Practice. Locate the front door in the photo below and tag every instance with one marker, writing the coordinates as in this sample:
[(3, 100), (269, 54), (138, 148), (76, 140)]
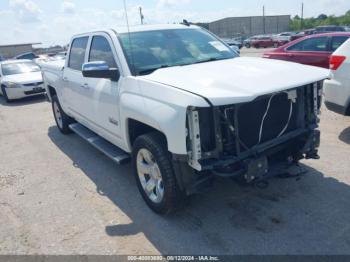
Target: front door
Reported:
[(103, 94)]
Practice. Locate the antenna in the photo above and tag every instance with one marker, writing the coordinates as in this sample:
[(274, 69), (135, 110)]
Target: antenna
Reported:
[(141, 15), (131, 49)]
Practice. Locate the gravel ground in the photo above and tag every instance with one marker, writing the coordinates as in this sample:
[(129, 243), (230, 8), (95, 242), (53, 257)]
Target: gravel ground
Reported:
[(58, 195)]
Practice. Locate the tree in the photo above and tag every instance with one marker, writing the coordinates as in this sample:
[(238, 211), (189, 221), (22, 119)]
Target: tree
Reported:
[(322, 17)]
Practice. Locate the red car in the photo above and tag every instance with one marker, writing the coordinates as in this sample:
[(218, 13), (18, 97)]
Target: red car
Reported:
[(312, 50), (266, 41)]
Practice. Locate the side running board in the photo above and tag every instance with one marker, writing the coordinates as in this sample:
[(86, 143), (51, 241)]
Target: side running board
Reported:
[(115, 153)]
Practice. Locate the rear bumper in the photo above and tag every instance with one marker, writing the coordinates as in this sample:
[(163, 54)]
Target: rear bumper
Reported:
[(21, 92)]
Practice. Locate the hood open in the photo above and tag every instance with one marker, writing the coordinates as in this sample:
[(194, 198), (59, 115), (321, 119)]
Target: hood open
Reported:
[(238, 80)]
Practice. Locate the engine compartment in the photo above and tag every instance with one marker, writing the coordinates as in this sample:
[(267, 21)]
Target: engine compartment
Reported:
[(272, 129)]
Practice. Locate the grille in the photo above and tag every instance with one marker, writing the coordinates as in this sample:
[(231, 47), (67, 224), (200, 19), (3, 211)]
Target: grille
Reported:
[(34, 84)]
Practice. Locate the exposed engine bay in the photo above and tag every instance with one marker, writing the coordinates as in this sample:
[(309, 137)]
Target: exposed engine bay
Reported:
[(256, 138)]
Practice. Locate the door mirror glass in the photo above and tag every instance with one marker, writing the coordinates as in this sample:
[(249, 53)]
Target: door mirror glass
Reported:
[(100, 69)]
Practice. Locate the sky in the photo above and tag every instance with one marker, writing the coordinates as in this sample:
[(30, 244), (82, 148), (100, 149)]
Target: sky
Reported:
[(53, 22)]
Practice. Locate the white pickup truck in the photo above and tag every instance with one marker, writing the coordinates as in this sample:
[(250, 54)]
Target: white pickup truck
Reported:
[(177, 101)]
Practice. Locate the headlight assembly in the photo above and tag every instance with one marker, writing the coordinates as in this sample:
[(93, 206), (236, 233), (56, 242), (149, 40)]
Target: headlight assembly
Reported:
[(11, 85)]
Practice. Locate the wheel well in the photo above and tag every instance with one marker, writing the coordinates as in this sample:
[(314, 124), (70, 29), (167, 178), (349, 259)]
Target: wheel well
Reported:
[(52, 91), (137, 128), (347, 111)]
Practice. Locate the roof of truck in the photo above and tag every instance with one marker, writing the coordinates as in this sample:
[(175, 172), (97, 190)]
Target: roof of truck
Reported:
[(142, 28)]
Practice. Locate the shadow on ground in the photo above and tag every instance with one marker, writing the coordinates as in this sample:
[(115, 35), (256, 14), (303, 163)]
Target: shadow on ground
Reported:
[(345, 135), (309, 216), (23, 101)]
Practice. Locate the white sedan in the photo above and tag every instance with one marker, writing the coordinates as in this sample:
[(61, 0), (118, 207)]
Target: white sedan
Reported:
[(20, 78), (337, 89)]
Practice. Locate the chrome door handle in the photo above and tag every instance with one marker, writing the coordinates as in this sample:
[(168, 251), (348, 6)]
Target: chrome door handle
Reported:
[(85, 86)]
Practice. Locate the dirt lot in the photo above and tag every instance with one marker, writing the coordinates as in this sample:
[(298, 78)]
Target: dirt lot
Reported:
[(58, 195)]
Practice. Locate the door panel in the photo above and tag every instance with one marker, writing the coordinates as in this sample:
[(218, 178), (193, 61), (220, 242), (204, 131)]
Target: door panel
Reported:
[(103, 94), (72, 77)]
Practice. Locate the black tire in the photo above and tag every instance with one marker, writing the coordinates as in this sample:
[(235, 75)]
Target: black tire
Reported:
[(65, 120), (173, 197), (4, 94), (247, 45), (275, 45)]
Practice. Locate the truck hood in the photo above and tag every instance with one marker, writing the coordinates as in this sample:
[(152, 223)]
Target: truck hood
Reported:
[(238, 80), (26, 78)]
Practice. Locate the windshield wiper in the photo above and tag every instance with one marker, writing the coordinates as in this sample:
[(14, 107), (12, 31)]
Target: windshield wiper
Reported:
[(151, 70)]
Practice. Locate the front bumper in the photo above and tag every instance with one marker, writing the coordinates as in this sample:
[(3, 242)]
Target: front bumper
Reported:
[(24, 91)]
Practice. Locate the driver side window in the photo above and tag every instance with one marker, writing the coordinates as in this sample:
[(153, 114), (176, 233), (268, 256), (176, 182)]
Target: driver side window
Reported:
[(101, 51)]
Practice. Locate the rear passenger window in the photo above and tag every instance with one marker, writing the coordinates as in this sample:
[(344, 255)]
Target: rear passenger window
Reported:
[(101, 51), (316, 44), (77, 53), (337, 41)]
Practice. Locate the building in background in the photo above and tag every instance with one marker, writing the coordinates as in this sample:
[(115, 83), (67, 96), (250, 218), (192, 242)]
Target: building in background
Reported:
[(10, 51), (232, 27)]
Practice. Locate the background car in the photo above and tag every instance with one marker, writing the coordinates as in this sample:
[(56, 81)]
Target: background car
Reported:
[(312, 50), (29, 55), (328, 29), (20, 78), (302, 34), (266, 41), (233, 42), (337, 89), (248, 42)]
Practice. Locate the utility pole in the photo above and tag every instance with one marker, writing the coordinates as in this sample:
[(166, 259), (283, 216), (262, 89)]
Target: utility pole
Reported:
[(302, 16), (264, 19), (141, 15)]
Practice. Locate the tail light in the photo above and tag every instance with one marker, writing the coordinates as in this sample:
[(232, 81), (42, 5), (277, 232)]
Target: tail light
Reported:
[(335, 61)]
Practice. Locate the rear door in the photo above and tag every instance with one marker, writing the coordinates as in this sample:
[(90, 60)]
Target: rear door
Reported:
[(311, 51), (73, 90)]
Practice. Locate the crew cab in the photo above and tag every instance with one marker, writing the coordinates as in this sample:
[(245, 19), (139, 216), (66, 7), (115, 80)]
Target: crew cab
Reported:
[(179, 103)]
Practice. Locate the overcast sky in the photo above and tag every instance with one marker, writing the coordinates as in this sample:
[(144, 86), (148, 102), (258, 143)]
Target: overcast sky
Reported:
[(54, 21)]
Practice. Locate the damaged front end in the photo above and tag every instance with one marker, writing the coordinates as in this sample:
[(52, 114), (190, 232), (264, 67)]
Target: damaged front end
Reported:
[(257, 139)]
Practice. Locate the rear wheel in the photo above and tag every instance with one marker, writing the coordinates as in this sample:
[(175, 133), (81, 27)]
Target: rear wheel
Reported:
[(62, 119), (4, 94), (154, 174)]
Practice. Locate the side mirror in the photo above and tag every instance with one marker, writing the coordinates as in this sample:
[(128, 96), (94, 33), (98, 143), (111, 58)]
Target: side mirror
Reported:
[(100, 69)]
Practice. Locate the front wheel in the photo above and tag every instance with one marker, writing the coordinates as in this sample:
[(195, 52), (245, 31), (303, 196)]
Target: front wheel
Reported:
[(4, 94), (62, 119), (154, 174)]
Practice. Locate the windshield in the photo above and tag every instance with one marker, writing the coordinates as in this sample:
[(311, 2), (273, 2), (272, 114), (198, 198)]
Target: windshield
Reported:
[(19, 68), (151, 50)]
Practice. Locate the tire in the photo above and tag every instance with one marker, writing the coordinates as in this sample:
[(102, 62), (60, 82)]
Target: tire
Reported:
[(61, 118), (163, 195), (275, 45), (4, 94), (247, 45)]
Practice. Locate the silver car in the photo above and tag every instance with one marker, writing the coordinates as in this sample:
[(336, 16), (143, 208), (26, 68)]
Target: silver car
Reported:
[(20, 78)]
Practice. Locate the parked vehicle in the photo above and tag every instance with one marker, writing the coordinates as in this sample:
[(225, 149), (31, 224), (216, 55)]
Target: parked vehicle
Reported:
[(266, 41), (284, 37), (313, 50), (328, 29), (20, 78), (337, 89), (233, 42), (184, 108), (248, 42), (302, 34), (27, 56)]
